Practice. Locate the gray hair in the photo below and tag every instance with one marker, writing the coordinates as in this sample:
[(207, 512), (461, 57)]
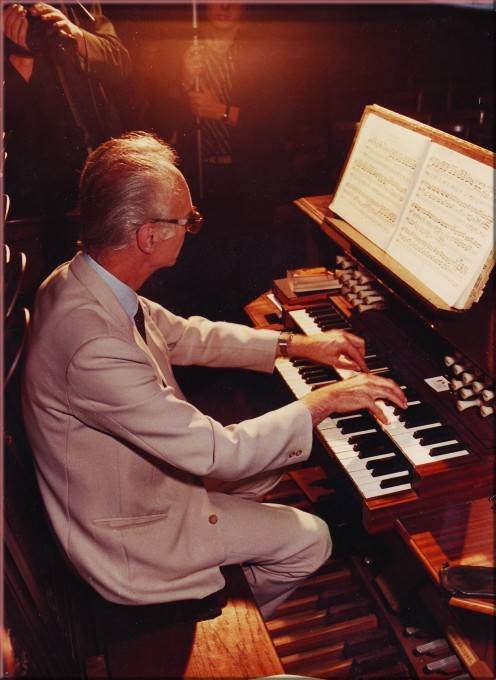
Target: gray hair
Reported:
[(123, 183)]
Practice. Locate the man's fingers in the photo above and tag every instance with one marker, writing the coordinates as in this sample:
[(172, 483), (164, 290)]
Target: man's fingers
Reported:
[(355, 355), (358, 342), (377, 412), (388, 389), (345, 362), (15, 24)]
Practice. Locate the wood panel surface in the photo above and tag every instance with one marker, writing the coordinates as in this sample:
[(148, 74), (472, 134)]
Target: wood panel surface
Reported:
[(233, 645), (459, 535)]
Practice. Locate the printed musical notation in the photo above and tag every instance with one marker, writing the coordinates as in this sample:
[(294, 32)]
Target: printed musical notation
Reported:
[(378, 177), (426, 205), (447, 227)]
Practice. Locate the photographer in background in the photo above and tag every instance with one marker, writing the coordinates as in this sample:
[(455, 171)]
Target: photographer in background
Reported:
[(61, 66)]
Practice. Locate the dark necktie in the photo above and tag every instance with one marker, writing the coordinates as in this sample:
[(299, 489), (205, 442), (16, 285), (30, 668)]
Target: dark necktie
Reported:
[(139, 320)]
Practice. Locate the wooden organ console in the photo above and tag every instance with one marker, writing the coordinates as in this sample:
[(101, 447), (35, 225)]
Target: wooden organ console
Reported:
[(422, 485)]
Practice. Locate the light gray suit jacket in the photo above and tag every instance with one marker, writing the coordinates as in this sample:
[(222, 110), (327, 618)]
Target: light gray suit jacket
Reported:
[(120, 454)]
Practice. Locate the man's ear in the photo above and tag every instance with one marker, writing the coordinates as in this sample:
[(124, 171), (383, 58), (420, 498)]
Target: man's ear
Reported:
[(146, 237)]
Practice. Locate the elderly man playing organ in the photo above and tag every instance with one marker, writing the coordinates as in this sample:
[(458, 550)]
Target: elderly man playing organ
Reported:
[(148, 496)]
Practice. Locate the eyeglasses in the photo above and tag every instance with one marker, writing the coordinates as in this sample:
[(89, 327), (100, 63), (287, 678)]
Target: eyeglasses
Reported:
[(193, 223)]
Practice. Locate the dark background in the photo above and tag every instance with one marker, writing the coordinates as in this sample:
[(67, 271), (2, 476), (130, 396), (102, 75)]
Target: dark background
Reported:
[(432, 62)]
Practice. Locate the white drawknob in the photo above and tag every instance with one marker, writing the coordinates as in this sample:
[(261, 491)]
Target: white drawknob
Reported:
[(466, 392), (463, 405), (449, 361), (487, 395), (455, 384), (370, 299), (365, 307), (486, 410), (457, 369), (360, 286), (467, 377), (366, 292), (477, 386), (348, 277)]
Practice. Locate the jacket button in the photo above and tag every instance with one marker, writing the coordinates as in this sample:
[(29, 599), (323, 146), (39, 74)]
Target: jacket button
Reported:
[(213, 519)]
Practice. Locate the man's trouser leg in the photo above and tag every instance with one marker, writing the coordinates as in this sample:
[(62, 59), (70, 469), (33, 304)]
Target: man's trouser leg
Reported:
[(278, 546)]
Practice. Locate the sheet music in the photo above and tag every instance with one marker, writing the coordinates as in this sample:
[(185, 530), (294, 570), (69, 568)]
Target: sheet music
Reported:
[(378, 176), (447, 229)]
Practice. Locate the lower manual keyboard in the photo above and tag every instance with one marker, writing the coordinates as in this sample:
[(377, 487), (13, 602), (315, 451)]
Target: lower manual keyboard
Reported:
[(379, 458)]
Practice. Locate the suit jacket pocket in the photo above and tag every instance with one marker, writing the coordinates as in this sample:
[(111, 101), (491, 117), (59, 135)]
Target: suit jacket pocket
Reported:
[(130, 522)]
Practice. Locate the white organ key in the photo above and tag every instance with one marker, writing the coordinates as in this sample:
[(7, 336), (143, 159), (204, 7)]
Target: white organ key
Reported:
[(305, 322)]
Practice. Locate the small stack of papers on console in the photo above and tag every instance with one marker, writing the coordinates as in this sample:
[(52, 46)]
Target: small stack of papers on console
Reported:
[(311, 279)]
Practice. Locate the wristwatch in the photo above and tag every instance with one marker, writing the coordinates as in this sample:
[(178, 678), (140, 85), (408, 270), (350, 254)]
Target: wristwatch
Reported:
[(283, 343)]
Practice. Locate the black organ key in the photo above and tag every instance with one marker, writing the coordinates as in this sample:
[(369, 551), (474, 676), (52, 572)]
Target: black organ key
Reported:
[(368, 440), (410, 395), (377, 451), (388, 373), (314, 370), (395, 481), (327, 316), (387, 466), (330, 326), (302, 362), (435, 435), (322, 311), (376, 362), (357, 425), (419, 414), (449, 448), (313, 379)]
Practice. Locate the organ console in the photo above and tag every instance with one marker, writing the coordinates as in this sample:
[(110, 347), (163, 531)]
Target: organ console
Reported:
[(425, 476)]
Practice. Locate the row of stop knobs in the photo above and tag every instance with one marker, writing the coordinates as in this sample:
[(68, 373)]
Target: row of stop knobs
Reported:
[(472, 388), (359, 288)]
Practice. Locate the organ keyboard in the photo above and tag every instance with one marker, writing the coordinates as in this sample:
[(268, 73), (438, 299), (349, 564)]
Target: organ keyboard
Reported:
[(377, 457), (427, 474), (442, 446)]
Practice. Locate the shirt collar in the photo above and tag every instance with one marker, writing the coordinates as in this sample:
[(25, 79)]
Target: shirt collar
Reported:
[(126, 295)]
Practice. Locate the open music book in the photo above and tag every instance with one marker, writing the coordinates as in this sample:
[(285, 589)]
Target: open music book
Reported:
[(425, 199)]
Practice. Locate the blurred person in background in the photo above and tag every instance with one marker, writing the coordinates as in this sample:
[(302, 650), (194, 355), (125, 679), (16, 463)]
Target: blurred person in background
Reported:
[(232, 85), (61, 65)]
